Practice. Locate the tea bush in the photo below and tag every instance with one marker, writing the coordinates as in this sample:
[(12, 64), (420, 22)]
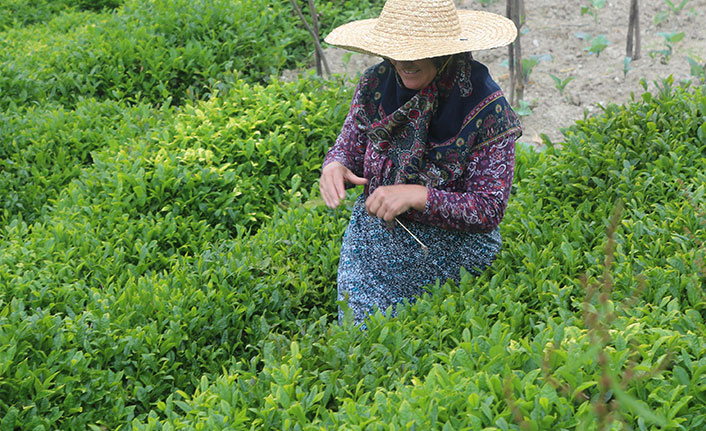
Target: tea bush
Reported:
[(46, 147), (20, 13), (646, 157), (242, 141), (266, 140), (156, 51), (165, 209), (89, 336), (446, 364), (116, 313)]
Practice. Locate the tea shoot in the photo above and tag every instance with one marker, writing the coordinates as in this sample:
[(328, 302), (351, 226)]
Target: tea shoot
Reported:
[(670, 38)]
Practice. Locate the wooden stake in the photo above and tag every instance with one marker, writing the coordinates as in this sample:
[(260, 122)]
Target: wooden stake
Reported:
[(514, 10), (633, 51)]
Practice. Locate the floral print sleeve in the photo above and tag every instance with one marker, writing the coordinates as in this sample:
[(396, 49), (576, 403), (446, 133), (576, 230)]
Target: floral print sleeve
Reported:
[(485, 186), (349, 148), (465, 156)]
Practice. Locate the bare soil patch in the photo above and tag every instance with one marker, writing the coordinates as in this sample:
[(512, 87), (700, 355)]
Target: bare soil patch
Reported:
[(552, 27)]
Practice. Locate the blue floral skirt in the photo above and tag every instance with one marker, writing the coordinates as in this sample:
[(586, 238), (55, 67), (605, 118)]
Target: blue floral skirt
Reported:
[(381, 264)]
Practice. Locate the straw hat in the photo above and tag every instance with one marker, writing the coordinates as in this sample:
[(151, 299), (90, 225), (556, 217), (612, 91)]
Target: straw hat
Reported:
[(416, 29)]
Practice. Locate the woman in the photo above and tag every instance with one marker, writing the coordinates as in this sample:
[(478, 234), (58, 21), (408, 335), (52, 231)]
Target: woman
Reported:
[(431, 137)]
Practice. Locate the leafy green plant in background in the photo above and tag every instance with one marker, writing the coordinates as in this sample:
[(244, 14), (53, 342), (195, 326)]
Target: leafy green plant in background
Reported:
[(697, 70), (661, 17), (626, 66), (598, 44), (529, 63), (524, 108), (561, 84), (676, 8), (593, 9), (670, 38)]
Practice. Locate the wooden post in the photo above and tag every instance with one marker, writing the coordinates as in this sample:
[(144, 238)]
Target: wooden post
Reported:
[(514, 10), (632, 49)]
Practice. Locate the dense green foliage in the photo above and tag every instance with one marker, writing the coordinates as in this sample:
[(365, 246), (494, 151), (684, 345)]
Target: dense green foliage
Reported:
[(50, 145), (519, 346), (243, 143), (19, 13), (159, 208), (168, 266), (120, 303), (155, 51)]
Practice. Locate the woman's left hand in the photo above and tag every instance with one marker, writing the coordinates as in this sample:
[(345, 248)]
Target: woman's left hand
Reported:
[(387, 202)]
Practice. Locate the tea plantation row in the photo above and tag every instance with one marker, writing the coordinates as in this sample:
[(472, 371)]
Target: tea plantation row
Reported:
[(65, 82), (152, 213), (161, 51), (20, 13)]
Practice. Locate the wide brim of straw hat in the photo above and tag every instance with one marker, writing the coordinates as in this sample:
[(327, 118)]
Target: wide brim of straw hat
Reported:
[(408, 36)]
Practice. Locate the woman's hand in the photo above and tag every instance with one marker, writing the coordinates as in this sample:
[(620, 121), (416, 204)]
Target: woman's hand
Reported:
[(332, 183), (387, 202)]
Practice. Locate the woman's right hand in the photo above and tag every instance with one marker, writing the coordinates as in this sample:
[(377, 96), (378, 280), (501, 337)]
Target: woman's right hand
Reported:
[(332, 183)]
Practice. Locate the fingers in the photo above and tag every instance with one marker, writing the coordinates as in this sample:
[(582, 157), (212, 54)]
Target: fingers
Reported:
[(354, 179), (385, 204), (332, 183), (388, 202), (331, 187)]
